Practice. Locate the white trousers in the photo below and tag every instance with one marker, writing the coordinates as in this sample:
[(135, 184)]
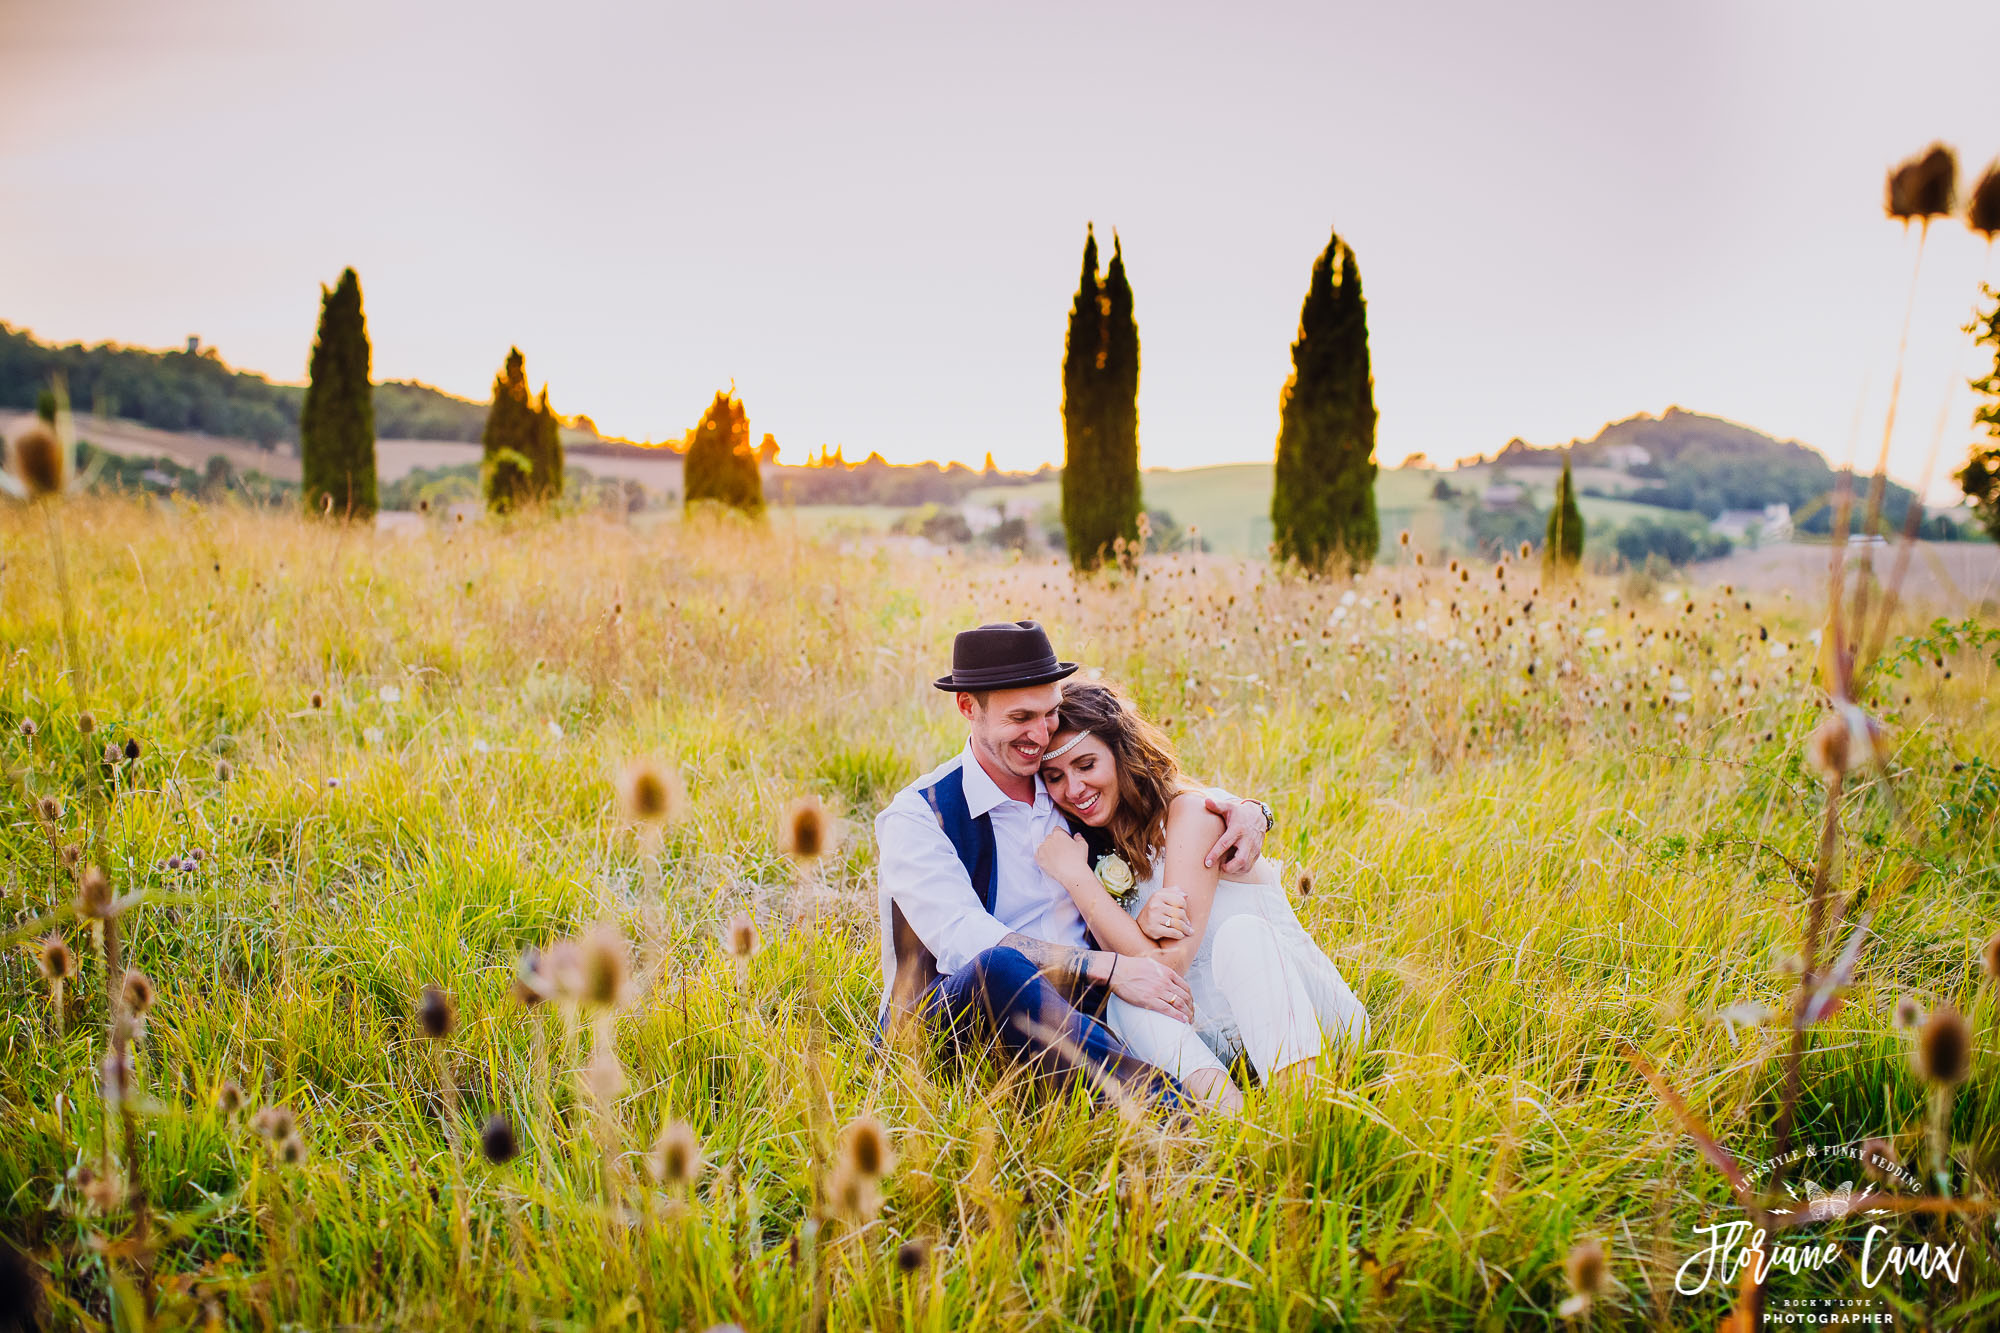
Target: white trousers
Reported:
[(1282, 1010)]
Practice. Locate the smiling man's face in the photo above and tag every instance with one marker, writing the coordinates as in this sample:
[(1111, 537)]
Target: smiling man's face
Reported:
[(1012, 728)]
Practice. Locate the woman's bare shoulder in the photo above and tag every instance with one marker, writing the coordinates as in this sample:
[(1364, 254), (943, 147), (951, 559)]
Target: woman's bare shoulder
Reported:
[(1190, 810)]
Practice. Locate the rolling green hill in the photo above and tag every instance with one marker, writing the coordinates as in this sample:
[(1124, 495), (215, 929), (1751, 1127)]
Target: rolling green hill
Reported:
[(194, 390), (1703, 465)]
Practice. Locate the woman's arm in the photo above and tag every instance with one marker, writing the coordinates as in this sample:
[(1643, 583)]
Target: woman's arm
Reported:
[(1191, 831)]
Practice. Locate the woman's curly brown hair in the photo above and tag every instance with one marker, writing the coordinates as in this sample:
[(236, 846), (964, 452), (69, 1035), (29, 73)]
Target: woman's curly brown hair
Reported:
[(1149, 774)]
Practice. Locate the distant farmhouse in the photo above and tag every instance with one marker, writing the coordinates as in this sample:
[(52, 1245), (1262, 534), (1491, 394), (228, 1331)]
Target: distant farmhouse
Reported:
[(1772, 523)]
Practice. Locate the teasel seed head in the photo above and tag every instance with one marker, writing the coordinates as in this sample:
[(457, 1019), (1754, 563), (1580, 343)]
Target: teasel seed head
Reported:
[(1403, 538), (912, 1255), (29, 727), (223, 771), (1875, 1152), (50, 809), (86, 722), (1827, 748), (291, 1150), (864, 1148), (650, 793), (497, 1140), (131, 747), (434, 1012), (603, 1075), (103, 1193), (55, 958), (274, 1122), (805, 829), (1585, 1267), (112, 755), (739, 936), (93, 895), (117, 1070), (138, 993), (37, 457), (1909, 1015), (676, 1156), (72, 853), (1924, 187), (318, 700), (1983, 213), (229, 1097), (1525, 550), (1305, 883), (853, 1195), (531, 985), (1989, 958), (605, 966), (1944, 1047)]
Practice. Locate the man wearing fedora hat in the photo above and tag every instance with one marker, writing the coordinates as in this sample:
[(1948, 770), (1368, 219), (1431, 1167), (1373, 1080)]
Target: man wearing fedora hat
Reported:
[(977, 941)]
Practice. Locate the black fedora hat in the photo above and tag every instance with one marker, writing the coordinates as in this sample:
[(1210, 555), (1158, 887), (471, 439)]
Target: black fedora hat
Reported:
[(1003, 657)]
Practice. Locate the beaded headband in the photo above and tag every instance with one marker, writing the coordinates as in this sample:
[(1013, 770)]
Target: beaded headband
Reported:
[(1066, 746)]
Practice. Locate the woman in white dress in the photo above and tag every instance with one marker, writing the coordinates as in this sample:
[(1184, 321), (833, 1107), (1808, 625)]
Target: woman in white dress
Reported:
[(1262, 987)]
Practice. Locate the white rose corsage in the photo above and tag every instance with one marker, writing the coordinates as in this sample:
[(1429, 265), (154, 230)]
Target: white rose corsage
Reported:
[(1116, 876)]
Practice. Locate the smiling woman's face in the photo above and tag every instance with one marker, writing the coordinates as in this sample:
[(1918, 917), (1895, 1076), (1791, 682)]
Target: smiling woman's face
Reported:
[(1083, 781)]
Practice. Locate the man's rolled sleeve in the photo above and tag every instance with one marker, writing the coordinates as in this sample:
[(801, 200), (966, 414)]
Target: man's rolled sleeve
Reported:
[(924, 877)]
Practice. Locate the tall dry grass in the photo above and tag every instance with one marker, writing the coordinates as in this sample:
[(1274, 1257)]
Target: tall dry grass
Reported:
[(1540, 826)]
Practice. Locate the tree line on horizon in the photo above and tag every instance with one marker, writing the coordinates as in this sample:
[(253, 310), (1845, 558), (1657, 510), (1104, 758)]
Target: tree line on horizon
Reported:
[(195, 390), (1322, 504)]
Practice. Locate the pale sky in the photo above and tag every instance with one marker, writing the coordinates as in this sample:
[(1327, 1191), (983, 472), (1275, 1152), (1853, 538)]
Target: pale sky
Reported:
[(870, 216)]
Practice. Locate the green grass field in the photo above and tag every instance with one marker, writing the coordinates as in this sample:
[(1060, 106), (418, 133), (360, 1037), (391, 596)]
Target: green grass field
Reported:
[(1231, 504), (1540, 825)]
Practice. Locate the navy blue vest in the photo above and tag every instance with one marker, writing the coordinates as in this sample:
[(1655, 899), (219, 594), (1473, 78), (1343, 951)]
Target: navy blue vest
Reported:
[(971, 838)]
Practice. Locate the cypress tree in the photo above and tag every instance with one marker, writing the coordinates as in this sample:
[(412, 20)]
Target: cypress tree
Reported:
[(1083, 353), (1562, 550), (1100, 479), (548, 476), (1323, 487), (511, 440), (721, 467), (337, 419), (1118, 503)]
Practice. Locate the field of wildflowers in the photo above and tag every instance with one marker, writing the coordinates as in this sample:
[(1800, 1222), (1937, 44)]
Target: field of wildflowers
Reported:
[(476, 926)]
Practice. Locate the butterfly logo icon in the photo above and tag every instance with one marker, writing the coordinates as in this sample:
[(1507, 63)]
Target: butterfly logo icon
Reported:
[(1823, 1205)]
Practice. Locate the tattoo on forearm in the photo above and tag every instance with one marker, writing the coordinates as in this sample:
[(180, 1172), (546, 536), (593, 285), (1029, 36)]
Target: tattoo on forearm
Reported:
[(1066, 967)]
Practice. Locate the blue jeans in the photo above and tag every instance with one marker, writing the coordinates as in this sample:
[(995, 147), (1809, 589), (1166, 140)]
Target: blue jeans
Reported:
[(1000, 1000)]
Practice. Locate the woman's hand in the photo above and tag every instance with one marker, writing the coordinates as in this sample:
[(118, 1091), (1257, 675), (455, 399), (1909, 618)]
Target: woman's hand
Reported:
[(1064, 855), (1165, 916)]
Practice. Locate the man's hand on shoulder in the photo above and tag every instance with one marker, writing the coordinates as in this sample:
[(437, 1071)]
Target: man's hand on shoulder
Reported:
[(1244, 825)]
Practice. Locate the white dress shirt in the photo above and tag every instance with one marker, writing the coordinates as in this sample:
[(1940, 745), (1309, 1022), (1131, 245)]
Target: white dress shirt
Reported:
[(920, 873)]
